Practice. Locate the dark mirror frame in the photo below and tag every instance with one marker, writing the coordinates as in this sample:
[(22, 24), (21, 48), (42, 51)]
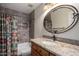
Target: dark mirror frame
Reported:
[(48, 25)]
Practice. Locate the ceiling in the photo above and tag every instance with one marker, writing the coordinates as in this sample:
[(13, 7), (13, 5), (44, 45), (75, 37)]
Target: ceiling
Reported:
[(21, 7)]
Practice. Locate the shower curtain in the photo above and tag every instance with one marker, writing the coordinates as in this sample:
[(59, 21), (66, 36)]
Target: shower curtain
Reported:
[(8, 35)]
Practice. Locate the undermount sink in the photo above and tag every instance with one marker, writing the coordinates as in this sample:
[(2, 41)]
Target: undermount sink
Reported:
[(48, 43)]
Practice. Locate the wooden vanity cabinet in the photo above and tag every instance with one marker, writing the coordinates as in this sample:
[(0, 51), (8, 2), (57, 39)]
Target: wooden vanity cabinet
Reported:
[(39, 51)]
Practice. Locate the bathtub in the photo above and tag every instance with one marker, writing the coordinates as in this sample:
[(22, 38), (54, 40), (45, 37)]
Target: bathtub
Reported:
[(24, 49)]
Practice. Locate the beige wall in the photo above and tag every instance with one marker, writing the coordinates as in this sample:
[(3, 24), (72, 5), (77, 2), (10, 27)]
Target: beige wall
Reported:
[(40, 13), (39, 29)]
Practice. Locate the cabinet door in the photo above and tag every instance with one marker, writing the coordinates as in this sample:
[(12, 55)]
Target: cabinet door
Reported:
[(42, 52), (34, 50), (38, 50)]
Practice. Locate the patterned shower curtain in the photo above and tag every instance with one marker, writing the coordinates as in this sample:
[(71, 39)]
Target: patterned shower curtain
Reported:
[(8, 37)]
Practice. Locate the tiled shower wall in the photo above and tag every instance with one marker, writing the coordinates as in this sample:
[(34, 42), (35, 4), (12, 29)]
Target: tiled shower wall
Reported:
[(31, 25), (22, 23), (23, 29)]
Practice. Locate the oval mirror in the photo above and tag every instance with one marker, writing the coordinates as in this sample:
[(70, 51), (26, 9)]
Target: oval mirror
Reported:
[(60, 19)]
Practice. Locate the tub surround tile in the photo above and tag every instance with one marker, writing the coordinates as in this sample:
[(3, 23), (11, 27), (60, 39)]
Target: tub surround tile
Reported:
[(31, 25)]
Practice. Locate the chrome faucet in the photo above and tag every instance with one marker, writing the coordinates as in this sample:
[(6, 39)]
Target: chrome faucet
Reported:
[(54, 37)]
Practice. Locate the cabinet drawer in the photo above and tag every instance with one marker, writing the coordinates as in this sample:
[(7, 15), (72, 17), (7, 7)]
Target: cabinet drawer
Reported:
[(34, 46)]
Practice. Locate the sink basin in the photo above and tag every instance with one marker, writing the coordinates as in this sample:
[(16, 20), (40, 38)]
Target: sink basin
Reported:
[(48, 43)]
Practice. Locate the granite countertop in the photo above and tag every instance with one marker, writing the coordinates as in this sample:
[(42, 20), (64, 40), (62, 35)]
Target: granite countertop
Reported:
[(57, 47)]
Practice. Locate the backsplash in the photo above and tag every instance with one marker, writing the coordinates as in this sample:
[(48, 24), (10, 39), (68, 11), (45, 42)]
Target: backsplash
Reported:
[(22, 23), (65, 40)]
